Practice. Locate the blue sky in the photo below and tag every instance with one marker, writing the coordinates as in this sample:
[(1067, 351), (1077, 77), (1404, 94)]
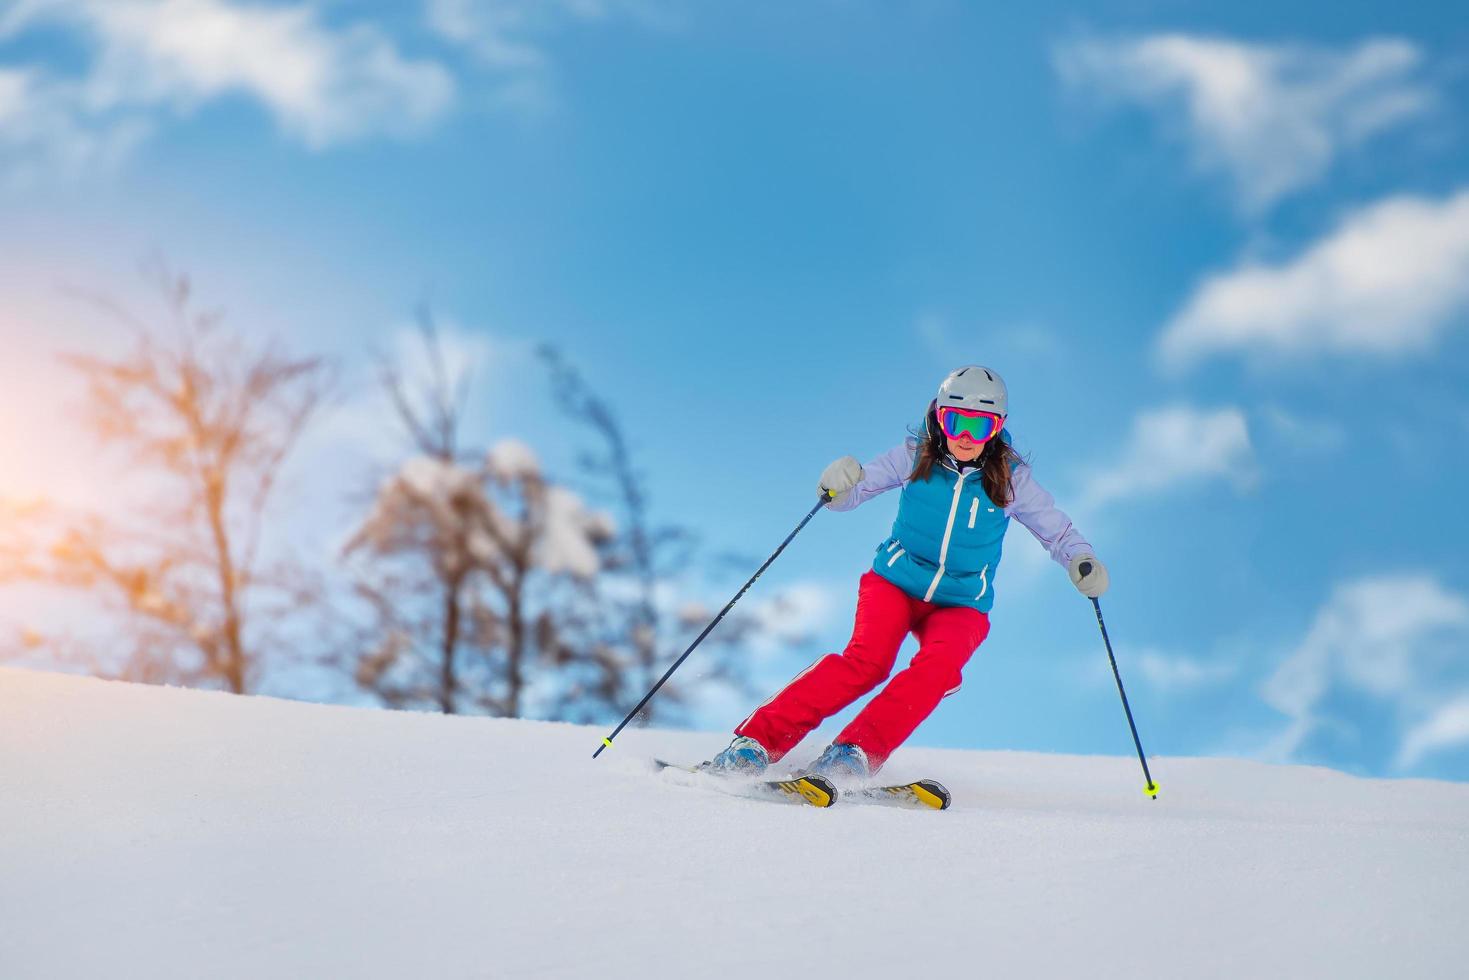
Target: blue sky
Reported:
[(1219, 254)]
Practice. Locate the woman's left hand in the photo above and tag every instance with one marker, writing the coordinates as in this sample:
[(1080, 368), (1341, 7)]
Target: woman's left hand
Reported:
[(1089, 576)]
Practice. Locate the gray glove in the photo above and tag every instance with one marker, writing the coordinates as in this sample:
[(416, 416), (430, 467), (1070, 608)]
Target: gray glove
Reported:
[(1092, 581), (840, 477)]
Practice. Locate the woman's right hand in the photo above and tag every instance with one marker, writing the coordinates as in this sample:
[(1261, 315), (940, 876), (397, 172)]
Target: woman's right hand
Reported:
[(839, 478)]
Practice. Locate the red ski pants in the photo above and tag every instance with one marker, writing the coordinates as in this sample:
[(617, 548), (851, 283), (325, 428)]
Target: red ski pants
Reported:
[(947, 637)]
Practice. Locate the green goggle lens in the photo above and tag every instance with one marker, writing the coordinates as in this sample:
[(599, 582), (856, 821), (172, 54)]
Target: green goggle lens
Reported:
[(979, 426)]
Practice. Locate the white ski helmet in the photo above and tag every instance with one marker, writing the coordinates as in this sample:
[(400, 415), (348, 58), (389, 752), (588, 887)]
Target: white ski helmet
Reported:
[(974, 387)]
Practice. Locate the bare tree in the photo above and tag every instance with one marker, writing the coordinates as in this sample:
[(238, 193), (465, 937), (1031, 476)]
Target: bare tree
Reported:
[(209, 421), (20, 523), (642, 558), (431, 412)]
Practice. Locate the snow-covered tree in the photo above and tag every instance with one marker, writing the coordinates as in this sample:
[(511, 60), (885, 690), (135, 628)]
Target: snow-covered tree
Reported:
[(473, 569), (494, 587), (476, 566)]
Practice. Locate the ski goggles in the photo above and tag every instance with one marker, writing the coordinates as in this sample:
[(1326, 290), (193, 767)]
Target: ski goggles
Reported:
[(977, 425)]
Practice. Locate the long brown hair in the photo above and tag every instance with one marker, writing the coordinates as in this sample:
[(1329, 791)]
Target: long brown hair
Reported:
[(996, 461)]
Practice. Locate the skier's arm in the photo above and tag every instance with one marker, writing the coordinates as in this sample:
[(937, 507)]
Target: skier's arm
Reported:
[(1034, 507), (887, 472)]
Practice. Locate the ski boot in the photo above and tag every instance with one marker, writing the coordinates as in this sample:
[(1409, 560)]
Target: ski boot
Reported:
[(842, 762), (744, 757)]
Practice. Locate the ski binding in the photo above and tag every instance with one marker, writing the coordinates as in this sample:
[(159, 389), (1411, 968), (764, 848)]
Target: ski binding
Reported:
[(806, 788)]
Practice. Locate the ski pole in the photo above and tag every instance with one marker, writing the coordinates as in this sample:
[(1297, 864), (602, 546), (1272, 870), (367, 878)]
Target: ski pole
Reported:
[(1152, 788), (607, 742)]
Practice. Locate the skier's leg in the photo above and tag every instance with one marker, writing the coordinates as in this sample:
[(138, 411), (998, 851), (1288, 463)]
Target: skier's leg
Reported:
[(947, 637), (884, 614)]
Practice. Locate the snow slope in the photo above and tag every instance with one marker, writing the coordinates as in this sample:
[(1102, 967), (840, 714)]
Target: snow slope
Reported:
[(168, 833)]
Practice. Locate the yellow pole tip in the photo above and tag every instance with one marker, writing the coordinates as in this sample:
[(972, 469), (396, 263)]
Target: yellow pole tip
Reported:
[(607, 742), (1152, 790)]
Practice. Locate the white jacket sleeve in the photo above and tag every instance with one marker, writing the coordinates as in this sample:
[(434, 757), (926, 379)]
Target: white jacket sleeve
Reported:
[(887, 472), (1034, 507)]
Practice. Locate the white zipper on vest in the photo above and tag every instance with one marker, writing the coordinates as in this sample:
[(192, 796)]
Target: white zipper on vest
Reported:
[(973, 512), (984, 584), (948, 531), (896, 556)]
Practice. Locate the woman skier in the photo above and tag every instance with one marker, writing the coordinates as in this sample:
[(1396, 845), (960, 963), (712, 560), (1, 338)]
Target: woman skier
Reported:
[(934, 576)]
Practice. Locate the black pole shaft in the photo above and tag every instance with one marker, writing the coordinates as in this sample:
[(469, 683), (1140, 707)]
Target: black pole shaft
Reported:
[(606, 742), (1151, 788)]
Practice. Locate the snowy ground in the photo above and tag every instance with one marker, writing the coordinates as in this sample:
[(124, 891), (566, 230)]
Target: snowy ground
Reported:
[(167, 833)]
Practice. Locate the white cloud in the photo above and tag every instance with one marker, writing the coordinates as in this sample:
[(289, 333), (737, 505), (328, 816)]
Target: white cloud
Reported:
[(1393, 638), (1387, 281), (1446, 728), (1176, 446), (1270, 117), (1302, 433), (507, 36), (1176, 674), (323, 85), (933, 331), (494, 29), (13, 93), (790, 616), (1018, 341), (45, 129)]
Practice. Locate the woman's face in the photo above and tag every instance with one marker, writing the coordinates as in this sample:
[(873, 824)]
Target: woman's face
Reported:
[(965, 449)]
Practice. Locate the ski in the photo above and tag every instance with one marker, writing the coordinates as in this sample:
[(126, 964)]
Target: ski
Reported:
[(808, 789), (921, 794)]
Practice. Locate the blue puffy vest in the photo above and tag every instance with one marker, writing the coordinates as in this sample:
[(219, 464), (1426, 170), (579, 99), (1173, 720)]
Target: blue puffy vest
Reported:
[(947, 539)]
